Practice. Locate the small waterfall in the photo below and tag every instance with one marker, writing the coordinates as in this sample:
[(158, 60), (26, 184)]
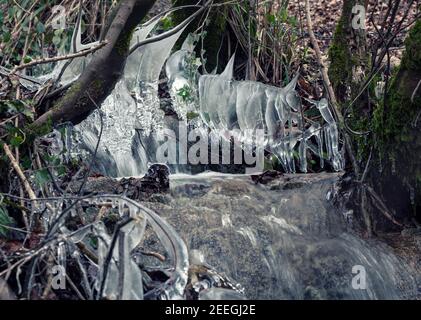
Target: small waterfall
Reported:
[(283, 240), (131, 113)]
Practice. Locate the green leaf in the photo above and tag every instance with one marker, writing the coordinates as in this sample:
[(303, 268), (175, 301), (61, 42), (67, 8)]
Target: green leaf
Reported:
[(56, 40), (40, 27), (271, 18), (16, 141), (42, 177), (5, 220), (26, 163), (61, 171), (7, 36)]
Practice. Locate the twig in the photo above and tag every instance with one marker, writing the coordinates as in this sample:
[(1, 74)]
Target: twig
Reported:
[(365, 213), (20, 173), (96, 147), (381, 206), (329, 87), (157, 255), (56, 59), (415, 91)]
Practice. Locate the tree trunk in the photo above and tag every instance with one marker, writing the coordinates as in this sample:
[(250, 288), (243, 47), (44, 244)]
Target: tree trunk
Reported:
[(398, 135), (105, 69), (348, 53)]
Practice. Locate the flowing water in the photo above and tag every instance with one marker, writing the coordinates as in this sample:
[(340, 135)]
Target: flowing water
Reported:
[(284, 240)]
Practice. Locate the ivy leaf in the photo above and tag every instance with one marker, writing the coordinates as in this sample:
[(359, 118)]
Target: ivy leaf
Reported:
[(40, 27), (61, 171), (16, 141), (42, 177), (56, 40), (5, 220), (7, 36)]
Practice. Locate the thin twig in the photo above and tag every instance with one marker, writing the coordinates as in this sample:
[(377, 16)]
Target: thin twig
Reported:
[(56, 59), (381, 206), (329, 87), (20, 173)]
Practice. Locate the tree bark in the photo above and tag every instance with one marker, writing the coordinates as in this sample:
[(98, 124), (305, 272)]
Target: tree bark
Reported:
[(398, 135), (105, 69), (348, 53)]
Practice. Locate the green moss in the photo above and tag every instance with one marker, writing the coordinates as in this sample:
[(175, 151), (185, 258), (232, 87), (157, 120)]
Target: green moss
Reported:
[(397, 139), (412, 58), (33, 131), (123, 44), (340, 70), (74, 90)]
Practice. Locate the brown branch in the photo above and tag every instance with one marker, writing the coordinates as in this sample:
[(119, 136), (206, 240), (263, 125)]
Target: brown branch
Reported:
[(104, 70), (59, 58), (381, 206), (20, 173), (328, 84)]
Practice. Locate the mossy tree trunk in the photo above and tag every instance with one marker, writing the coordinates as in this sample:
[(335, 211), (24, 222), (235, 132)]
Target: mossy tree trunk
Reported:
[(348, 53), (397, 130), (105, 69)]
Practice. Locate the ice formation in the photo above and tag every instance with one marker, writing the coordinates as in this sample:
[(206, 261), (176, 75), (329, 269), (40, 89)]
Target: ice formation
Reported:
[(242, 107), (119, 276), (129, 118)]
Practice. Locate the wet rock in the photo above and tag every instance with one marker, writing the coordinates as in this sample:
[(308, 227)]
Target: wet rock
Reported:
[(266, 176), (191, 190), (156, 181)]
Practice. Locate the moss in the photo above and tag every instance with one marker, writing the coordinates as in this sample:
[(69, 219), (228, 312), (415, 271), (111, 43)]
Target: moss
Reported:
[(347, 54), (340, 70), (412, 58), (397, 139), (74, 90), (33, 131), (123, 44), (96, 86)]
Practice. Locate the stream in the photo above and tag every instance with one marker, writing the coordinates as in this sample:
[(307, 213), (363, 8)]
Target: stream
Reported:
[(283, 240)]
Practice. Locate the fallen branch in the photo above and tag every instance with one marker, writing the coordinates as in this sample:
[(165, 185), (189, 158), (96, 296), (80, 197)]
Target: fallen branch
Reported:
[(381, 206), (20, 173), (103, 71)]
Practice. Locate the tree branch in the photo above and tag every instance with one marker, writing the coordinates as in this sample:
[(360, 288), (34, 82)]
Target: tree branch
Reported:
[(20, 173), (56, 59), (105, 69)]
